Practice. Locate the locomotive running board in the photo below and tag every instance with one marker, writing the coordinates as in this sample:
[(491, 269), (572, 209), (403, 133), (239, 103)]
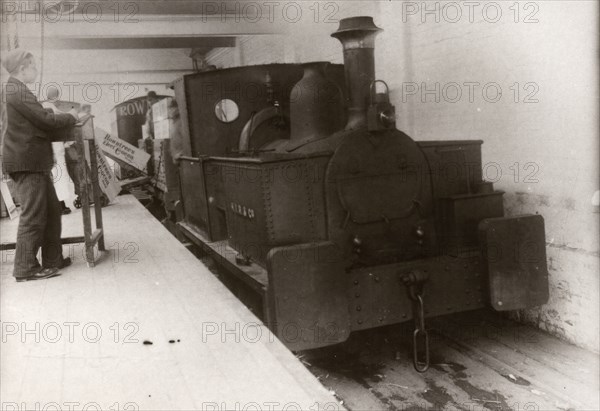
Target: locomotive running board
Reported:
[(514, 249), (252, 275)]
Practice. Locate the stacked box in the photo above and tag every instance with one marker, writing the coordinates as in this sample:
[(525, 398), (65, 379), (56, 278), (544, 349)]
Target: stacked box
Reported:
[(163, 124), (160, 110), (145, 131), (163, 129)]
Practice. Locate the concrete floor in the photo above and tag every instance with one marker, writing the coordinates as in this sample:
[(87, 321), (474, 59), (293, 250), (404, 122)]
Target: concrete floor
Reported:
[(149, 328)]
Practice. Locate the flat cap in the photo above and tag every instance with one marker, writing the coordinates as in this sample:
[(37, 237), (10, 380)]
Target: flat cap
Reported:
[(12, 59)]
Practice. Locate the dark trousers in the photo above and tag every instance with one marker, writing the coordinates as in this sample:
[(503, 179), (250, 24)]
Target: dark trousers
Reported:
[(39, 223)]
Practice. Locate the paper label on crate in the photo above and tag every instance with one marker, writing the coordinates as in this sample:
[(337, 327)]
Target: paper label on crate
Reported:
[(122, 150)]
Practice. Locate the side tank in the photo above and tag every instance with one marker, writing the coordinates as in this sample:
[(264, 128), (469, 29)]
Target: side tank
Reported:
[(233, 112)]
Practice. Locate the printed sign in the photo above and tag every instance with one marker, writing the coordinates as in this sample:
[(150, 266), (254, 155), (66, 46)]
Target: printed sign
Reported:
[(106, 179), (136, 107), (121, 150)]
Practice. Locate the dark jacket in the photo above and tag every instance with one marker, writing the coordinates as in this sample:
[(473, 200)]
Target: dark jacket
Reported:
[(27, 144)]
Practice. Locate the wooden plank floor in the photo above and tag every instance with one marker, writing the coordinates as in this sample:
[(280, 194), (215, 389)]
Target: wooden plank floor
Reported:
[(79, 338), (479, 361)]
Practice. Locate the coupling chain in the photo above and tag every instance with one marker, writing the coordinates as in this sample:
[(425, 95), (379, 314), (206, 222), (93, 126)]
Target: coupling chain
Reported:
[(415, 281)]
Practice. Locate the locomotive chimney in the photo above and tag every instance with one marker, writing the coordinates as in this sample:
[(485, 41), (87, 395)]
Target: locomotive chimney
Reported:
[(357, 35)]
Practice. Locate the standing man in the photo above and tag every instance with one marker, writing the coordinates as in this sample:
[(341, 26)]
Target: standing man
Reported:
[(27, 158)]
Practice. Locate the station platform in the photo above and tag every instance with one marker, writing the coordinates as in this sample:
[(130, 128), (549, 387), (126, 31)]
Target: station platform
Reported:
[(148, 328)]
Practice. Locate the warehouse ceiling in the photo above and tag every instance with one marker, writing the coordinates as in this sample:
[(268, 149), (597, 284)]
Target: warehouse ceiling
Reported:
[(198, 25)]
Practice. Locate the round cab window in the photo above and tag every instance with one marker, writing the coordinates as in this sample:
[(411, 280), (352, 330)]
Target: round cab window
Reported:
[(227, 110)]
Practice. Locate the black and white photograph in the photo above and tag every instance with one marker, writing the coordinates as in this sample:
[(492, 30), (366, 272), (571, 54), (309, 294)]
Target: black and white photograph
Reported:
[(300, 205)]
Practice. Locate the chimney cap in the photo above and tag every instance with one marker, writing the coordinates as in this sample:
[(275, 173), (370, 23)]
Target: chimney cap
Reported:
[(353, 24)]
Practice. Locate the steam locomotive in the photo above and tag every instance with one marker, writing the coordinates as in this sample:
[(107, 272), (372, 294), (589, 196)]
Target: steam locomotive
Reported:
[(296, 180)]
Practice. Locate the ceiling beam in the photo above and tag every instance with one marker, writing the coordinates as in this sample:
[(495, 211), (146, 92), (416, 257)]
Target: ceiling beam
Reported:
[(158, 26), (131, 8), (149, 42)]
